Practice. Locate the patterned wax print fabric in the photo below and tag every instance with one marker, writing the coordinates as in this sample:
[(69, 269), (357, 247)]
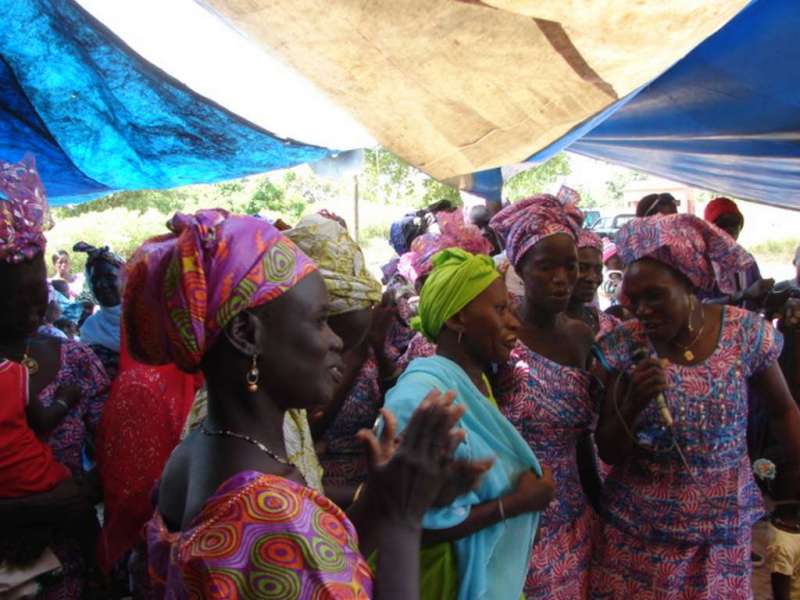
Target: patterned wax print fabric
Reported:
[(626, 566), (552, 407), (418, 347), (697, 523), (606, 323), (586, 238), (340, 261), (344, 459), (524, 224), (492, 562), (79, 367), (182, 288), (702, 252), (451, 231), (24, 215), (259, 536)]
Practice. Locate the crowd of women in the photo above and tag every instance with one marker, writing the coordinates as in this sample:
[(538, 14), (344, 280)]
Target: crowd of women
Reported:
[(250, 414)]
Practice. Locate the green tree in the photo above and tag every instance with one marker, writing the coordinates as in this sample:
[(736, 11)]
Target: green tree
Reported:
[(388, 179), (536, 180)]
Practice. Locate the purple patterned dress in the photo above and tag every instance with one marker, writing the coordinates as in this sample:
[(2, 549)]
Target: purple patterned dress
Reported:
[(667, 534), (80, 367), (344, 460), (551, 406)]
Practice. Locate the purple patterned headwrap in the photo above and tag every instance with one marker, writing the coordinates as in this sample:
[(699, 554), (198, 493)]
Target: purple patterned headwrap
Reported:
[(702, 252), (454, 232), (525, 223), (586, 238), (24, 216), (182, 288)]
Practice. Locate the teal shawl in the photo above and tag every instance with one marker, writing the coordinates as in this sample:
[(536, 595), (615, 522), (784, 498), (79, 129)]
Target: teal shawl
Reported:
[(493, 562)]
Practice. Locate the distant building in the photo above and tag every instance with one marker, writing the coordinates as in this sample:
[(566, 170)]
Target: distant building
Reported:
[(636, 190)]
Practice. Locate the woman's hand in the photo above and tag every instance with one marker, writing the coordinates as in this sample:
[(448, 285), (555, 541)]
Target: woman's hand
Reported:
[(383, 316), (531, 494), (647, 380), (407, 475)]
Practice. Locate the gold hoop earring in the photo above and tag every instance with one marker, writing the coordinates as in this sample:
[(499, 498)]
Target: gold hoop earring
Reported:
[(252, 376)]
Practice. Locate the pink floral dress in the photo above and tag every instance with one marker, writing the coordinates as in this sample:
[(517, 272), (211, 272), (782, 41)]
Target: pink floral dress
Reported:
[(551, 406), (666, 533)]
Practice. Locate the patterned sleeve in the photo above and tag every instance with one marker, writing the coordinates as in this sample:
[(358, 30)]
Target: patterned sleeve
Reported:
[(91, 377), (762, 344), (613, 350)]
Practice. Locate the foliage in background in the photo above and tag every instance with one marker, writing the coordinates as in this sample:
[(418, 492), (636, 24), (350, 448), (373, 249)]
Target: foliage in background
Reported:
[(538, 179), (388, 179)]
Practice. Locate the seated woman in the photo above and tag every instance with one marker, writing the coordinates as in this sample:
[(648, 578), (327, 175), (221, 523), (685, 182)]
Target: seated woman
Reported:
[(464, 310), (231, 296), (354, 293), (680, 500), (66, 384), (101, 330)]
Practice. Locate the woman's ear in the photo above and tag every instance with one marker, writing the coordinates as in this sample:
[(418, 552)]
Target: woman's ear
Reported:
[(244, 332), (457, 323)]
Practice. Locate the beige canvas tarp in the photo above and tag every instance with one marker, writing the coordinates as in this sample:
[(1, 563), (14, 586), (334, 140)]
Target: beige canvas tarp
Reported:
[(461, 86)]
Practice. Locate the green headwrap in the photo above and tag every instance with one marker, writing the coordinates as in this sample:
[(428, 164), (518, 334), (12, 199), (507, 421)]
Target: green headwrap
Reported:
[(457, 278)]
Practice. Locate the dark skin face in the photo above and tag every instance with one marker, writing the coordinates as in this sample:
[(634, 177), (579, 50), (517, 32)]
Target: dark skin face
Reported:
[(658, 297), (730, 224), (105, 283), (25, 304), (590, 275), (352, 327), (615, 264), (488, 325), (297, 346), (549, 271)]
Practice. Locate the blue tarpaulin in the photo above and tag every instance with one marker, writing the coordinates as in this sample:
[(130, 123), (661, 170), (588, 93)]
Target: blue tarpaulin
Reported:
[(726, 118), (99, 118)]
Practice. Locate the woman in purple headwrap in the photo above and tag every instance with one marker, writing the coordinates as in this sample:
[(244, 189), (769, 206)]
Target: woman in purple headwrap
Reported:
[(64, 380), (231, 296), (582, 304), (680, 500), (453, 232), (544, 391)]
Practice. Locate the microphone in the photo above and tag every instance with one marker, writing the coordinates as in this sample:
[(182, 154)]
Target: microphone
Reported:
[(638, 356)]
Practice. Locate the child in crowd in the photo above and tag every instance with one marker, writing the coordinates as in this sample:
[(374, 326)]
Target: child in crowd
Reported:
[(27, 465), (783, 551), (69, 328)]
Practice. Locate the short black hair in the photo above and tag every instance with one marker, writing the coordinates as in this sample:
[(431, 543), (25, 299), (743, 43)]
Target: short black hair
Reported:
[(648, 205)]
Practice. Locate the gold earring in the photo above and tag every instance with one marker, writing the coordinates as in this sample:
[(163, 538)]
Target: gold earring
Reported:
[(252, 376)]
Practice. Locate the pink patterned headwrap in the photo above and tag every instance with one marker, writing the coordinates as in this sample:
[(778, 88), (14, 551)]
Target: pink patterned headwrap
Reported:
[(454, 232), (182, 288), (525, 223), (24, 216), (586, 238), (705, 254)]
